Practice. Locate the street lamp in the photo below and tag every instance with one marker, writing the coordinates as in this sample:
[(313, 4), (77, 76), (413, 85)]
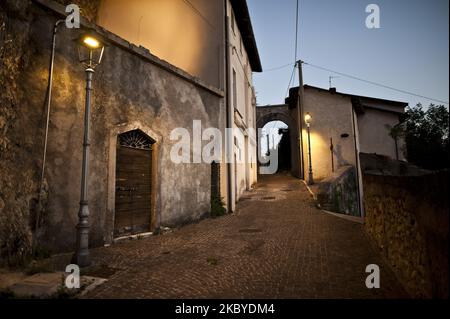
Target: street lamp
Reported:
[(308, 119), (90, 51)]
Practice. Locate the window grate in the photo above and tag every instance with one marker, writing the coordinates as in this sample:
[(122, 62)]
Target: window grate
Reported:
[(135, 139)]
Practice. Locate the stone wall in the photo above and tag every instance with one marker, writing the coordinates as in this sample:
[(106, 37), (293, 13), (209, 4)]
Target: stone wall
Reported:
[(407, 217), (88, 8), (376, 164), (338, 192), (18, 171), (132, 90)]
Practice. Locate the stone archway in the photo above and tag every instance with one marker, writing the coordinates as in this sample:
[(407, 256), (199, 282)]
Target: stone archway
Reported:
[(266, 114)]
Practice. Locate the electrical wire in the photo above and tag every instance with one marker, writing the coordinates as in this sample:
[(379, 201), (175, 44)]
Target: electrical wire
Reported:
[(290, 81), (278, 67), (373, 83)]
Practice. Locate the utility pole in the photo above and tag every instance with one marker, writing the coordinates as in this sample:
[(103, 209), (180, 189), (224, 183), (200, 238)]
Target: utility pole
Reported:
[(300, 118)]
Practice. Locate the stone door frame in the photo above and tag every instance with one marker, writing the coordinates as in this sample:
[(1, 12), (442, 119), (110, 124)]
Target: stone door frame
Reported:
[(111, 197)]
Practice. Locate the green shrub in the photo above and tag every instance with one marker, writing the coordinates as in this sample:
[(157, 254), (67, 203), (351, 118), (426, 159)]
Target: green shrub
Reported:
[(217, 206)]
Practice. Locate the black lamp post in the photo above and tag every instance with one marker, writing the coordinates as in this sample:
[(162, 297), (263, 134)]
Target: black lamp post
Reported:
[(90, 51), (308, 119)]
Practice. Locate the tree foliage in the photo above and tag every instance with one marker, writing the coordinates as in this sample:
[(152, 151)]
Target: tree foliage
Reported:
[(426, 134)]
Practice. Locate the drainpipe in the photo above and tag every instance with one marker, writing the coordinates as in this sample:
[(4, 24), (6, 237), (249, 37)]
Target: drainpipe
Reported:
[(300, 106), (49, 99), (228, 111), (358, 175)]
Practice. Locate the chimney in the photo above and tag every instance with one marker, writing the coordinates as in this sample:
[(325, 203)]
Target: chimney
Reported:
[(332, 90), (291, 100)]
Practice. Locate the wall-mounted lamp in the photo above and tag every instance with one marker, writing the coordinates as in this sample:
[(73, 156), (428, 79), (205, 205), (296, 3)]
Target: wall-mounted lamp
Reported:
[(308, 119)]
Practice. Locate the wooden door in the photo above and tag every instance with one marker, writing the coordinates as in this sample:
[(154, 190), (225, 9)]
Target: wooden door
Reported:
[(133, 184)]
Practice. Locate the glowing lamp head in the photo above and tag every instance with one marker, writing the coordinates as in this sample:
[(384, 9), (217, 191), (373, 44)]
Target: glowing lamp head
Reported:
[(308, 119), (90, 49), (91, 42)]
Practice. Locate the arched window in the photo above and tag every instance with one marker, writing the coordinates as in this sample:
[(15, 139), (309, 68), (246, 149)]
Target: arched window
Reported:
[(135, 139)]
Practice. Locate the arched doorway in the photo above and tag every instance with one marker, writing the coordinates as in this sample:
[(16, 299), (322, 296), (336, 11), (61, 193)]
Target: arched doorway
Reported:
[(133, 184), (289, 129), (276, 138)]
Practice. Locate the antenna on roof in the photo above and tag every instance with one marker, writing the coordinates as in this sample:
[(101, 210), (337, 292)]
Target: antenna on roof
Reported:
[(330, 78)]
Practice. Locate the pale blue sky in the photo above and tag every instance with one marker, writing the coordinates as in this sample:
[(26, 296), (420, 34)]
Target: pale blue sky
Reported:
[(410, 51)]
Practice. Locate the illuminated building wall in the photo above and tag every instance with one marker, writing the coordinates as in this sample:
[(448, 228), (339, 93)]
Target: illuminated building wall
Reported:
[(186, 33)]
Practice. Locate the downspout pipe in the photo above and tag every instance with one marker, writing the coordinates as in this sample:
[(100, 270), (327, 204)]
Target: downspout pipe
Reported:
[(228, 110), (47, 121), (300, 109), (357, 163)]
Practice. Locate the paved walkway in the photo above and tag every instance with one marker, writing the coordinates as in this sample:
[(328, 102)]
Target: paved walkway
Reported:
[(276, 245)]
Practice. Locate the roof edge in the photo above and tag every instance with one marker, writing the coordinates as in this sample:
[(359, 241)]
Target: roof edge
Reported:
[(244, 23), (391, 102)]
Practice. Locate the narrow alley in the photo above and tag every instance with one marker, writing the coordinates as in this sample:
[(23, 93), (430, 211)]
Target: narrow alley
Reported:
[(276, 245)]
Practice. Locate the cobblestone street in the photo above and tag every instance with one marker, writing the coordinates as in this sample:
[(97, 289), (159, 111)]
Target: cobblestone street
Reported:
[(276, 245)]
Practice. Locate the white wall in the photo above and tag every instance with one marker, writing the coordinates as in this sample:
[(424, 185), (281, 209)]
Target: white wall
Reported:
[(244, 110), (374, 133), (331, 117)]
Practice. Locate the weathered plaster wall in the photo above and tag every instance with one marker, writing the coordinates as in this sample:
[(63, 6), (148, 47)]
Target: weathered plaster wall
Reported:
[(374, 133), (18, 170), (188, 34), (331, 117), (407, 217), (130, 90), (89, 8)]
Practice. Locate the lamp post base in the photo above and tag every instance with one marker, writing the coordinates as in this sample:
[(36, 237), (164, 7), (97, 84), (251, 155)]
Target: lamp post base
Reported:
[(81, 260), (81, 255), (310, 179)]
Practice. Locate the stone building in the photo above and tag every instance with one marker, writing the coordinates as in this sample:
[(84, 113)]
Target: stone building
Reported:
[(350, 122), (164, 67), (343, 127)]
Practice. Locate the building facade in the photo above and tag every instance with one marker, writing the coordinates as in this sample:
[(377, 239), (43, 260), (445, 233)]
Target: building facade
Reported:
[(214, 41), (347, 123), (157, 74), (343, 127), (242, 60)]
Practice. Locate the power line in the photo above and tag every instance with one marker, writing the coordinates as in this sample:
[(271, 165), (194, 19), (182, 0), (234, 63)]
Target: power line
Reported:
[(374, 83), (278, 67), (290, 81)]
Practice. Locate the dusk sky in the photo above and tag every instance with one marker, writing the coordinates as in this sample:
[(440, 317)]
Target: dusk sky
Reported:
[(409, 52)]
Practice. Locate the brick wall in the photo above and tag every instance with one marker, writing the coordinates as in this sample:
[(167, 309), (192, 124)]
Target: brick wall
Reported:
[(407, 217)]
